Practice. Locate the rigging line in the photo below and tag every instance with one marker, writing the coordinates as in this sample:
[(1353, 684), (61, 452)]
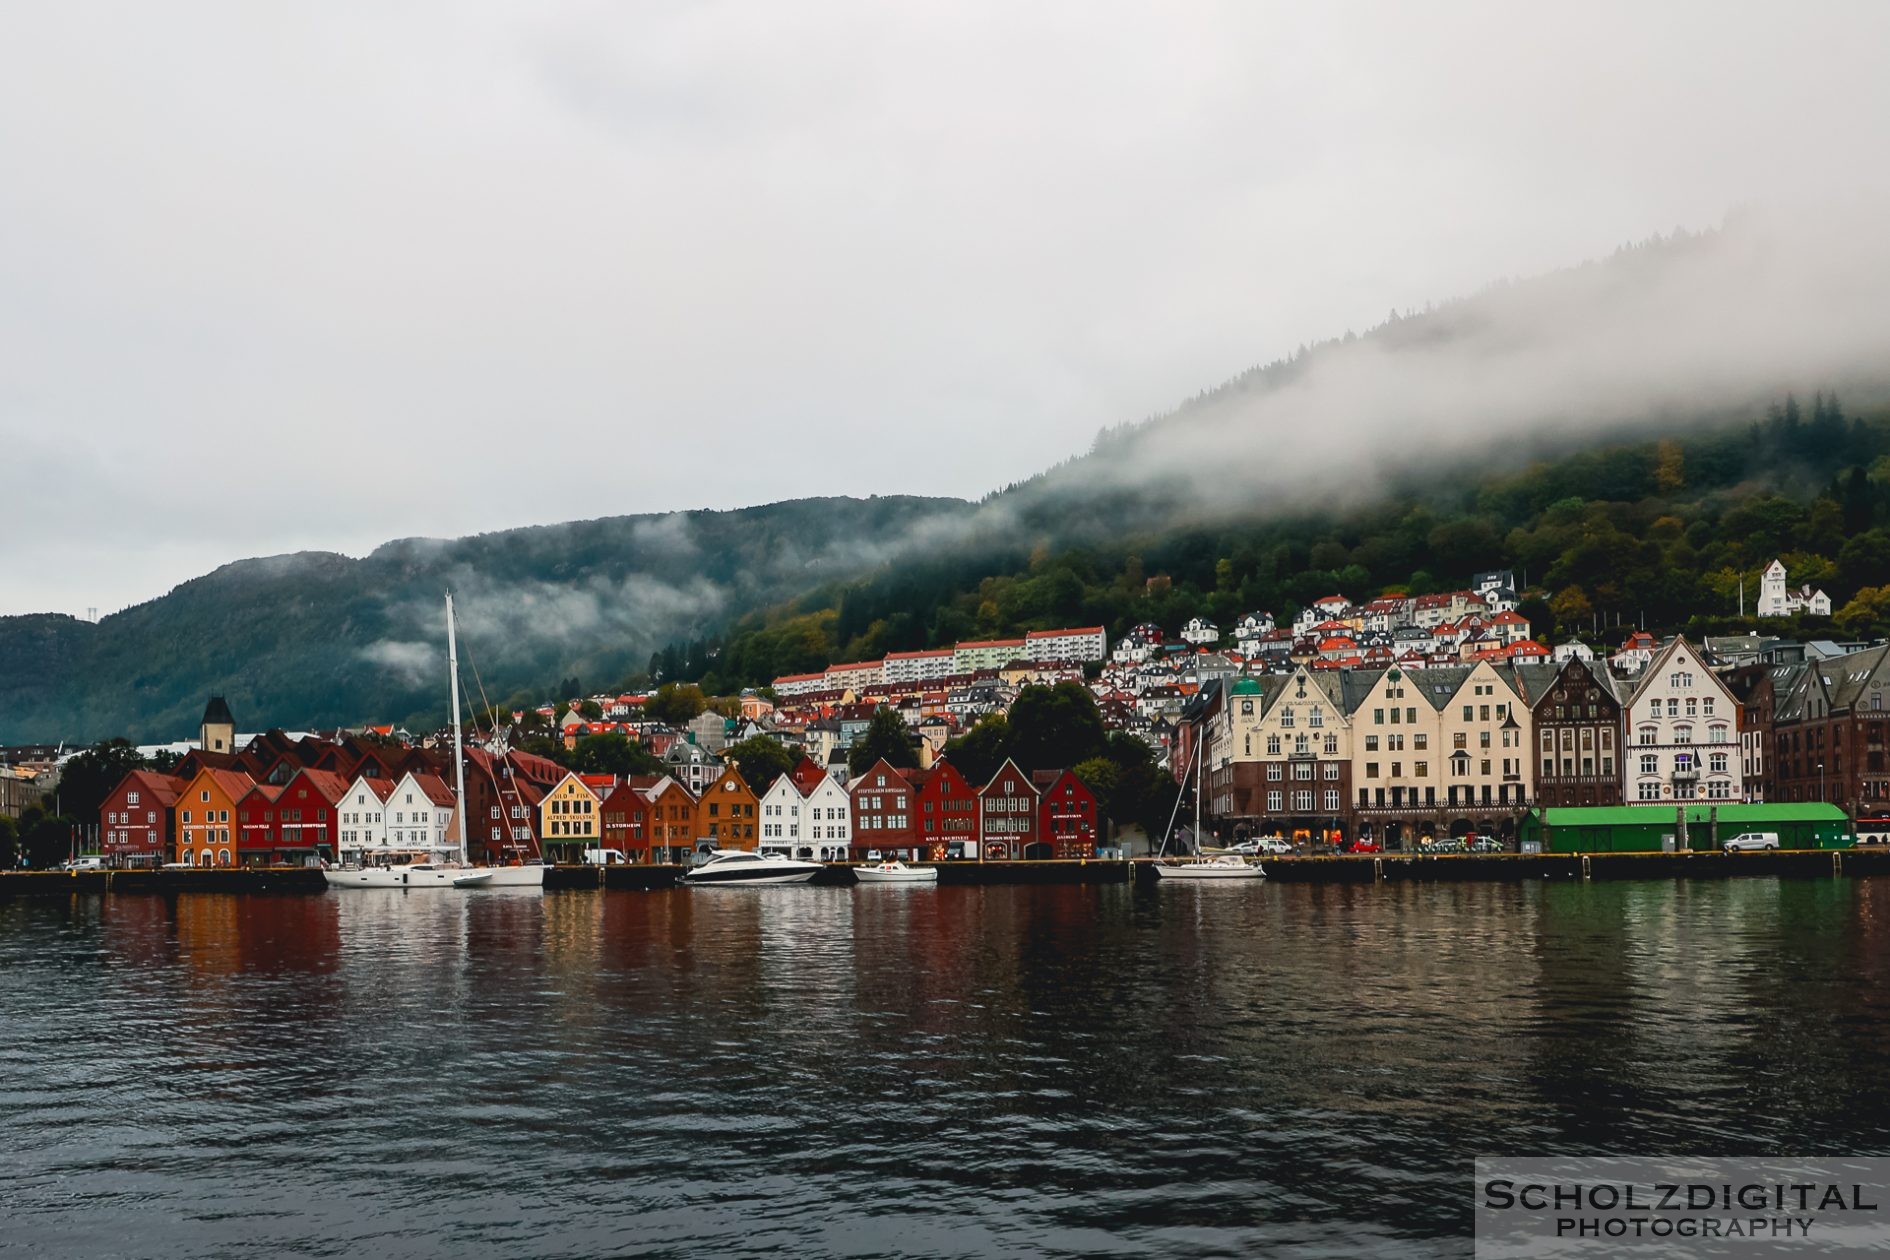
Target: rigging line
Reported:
[(1194, 751)]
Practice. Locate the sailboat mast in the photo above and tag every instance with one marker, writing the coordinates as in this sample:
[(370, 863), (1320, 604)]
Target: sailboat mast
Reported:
[(1201, 741), (459, 755)]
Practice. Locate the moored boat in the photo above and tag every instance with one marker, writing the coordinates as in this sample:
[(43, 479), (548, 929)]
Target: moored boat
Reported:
[(740, 868), (1226, 866), (895, 873)]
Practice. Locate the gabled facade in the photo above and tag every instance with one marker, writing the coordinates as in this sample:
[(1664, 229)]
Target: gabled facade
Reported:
[(137, 822), (672, 821), (1398, 767), (1066, 814), (726, 813), (570, 817), (946, 809), (363, 817), (1682, 739), (1577, 719), (296, 823), (206, 817), (1278, 757), (1485, 728), (1831, 738), (1007, 816), (882, 813), (625, 820), (418, 813)]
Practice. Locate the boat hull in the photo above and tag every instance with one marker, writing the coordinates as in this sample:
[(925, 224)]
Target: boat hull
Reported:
[(1208, 872), (746, 879), (912, 875), (439, 877)]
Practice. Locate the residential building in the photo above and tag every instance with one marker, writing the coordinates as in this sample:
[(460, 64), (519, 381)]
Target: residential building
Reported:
[(672, 821), (912, 667), (726, 813), (625, 812), (571, 815), (1577, 717), (1682, 732), (882, 813), (363, 811), (1008, 816), (1089, 643), (137, 822), (1066, 820), (206, 812), (1831, 734), (946, 807), (972, 656), (1777, 599)]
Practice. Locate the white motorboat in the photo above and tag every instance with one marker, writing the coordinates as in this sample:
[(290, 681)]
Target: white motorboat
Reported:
[(1227, 866), (895, 873), (424, 871), (738, 867), (440, 867)]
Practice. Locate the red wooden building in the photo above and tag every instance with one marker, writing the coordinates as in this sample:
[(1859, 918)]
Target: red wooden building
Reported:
[(1007, 816), (137, 823), (945, 811), (625, 812), (1067, 817), (883, 818), (292, 825)]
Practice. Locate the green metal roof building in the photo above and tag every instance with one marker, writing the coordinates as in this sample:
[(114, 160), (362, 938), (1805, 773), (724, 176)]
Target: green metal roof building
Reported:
[(1644, 828)]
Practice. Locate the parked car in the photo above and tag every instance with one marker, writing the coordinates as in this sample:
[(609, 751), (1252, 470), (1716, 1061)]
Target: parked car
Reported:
[(1273, 845), (1246, 848), (1747, 841), (1366, 845), (1486, 844), (1447, 844), (605, 857), (83, 864)]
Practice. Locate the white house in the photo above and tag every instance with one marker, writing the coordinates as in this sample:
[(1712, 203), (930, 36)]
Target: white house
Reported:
[(359, 815), (1682, 732), (1200, 631), (1573, 650), (418, 812), (807, 814), (1777, 600)]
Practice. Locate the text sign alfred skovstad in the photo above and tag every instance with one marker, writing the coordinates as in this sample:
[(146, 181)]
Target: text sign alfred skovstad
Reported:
[(1682, 1207)]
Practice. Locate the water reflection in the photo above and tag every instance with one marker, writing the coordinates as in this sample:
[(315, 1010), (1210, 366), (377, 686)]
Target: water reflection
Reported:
[(1237, 1068)]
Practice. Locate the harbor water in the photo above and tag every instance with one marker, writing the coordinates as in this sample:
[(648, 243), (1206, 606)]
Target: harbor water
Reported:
[(1208, 1069)]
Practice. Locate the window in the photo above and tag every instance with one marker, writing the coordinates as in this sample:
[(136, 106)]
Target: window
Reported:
[(1332, 800), (1371, 743), (1650, 764), (1332, 745), (1274, 800), (1274, 774), (1371, 769), (1332, 770)]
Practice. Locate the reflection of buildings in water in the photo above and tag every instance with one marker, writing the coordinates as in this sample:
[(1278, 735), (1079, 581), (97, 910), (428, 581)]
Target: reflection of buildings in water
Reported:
[(806, 944)]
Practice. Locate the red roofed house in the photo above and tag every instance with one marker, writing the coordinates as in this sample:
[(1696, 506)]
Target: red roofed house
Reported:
[(1067, 816), (137, 822), (206, 814), (295, 824), (626, 814), (1007, 816)]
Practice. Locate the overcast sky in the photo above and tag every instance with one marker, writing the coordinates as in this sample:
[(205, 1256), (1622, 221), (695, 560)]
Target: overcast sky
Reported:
[(280, 277)]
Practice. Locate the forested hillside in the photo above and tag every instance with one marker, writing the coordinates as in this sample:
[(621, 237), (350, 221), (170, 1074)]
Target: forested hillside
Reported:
[(1660, 530), (318, 639)]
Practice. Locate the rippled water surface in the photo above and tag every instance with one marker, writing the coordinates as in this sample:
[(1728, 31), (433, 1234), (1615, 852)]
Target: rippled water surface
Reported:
[(1213, 1070)]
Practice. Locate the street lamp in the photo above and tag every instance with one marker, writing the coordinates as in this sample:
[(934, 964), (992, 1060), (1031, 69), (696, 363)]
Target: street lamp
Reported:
[(1821, 781)]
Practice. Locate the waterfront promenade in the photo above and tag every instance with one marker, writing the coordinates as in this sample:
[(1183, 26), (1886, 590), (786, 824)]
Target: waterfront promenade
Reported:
[(1387, 868)]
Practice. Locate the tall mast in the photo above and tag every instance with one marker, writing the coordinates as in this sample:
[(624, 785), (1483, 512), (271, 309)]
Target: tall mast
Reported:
[(1200, 748), (459, 757)]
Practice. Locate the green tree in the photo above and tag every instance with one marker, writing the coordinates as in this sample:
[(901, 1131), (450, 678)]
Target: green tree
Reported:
[(611, 753), (980, 751), (888, 736), (1055, 727), (675, 703), (1868, 613), (591, 711), (87, 779), (760, 759)]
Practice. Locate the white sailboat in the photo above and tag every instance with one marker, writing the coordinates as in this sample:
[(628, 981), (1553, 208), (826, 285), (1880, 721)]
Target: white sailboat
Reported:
[(1226, 866), (442, 867)]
